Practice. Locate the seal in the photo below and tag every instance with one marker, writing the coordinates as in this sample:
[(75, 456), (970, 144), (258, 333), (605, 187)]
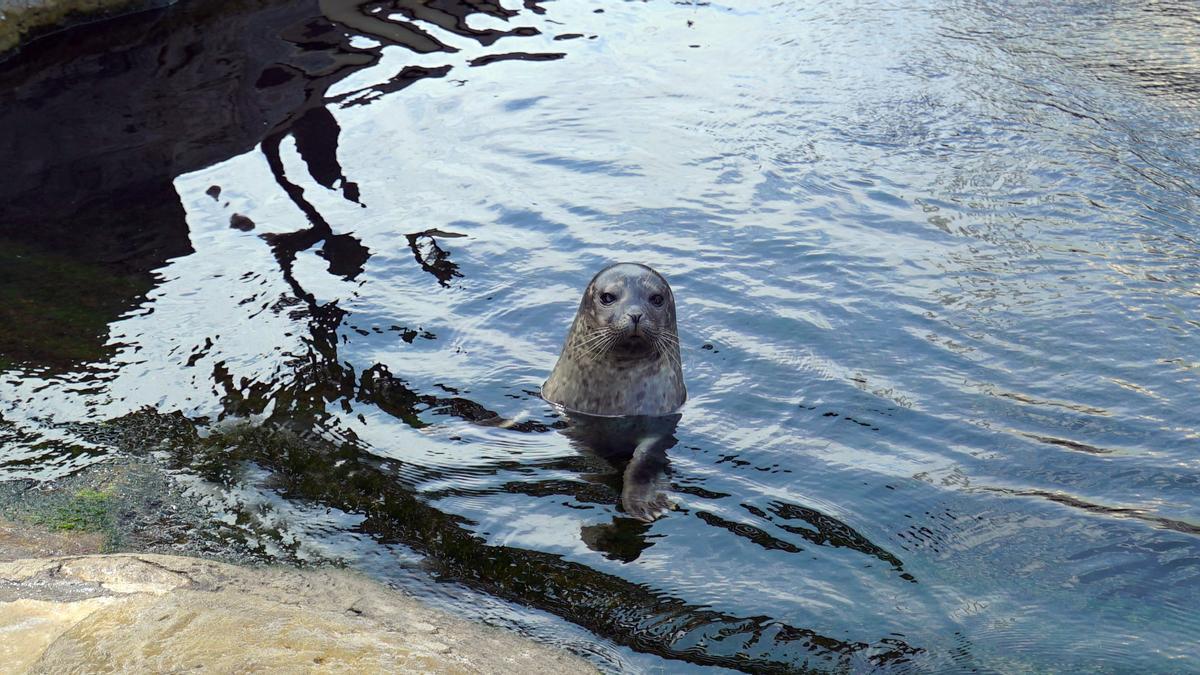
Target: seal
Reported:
[(621, 355), (620, 382)]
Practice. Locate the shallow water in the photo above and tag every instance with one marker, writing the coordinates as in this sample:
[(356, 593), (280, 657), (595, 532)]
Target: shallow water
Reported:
[(936, 269)]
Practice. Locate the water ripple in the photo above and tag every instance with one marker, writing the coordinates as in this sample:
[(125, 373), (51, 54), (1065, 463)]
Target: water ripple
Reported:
[(936, 281)]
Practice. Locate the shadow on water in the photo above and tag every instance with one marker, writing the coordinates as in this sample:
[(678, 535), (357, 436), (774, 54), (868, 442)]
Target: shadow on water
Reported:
[(638, 446), (109, 118)]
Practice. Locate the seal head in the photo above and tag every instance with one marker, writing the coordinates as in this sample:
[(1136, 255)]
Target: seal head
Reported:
[(621, 356)]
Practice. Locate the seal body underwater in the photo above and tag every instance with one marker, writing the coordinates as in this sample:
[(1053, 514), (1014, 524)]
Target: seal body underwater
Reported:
[(621, 355)]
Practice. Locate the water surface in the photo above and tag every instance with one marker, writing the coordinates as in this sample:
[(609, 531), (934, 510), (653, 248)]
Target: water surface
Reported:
[(936, 270)]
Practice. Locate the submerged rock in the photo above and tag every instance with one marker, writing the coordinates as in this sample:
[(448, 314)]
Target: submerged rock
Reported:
[(158, 613), (21, 20)]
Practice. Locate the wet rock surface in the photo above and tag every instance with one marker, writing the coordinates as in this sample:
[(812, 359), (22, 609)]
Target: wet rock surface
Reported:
[(18, 541), (22, 20), (69, 603), (159, 613), (122, 504)]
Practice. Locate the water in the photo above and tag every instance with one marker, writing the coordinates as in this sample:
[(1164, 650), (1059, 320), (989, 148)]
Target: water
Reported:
[(938, 294)]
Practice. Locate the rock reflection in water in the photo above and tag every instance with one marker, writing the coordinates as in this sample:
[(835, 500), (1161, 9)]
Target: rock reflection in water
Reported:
[(310, 466)]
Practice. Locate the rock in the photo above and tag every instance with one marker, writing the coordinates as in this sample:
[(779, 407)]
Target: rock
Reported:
[(25, 18), (21, 541), (29, 627), (157, 613)]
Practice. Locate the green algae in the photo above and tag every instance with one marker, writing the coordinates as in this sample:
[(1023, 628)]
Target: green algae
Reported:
[(69, 510), (55, 310), (86, 511)]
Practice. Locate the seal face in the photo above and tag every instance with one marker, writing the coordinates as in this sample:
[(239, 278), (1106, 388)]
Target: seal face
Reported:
[(621, 356)]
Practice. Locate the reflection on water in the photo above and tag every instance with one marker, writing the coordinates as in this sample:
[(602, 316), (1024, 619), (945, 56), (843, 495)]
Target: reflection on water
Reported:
[(937, 292)]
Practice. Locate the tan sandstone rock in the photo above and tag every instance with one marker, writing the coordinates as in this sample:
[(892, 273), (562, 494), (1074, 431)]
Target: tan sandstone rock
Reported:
[(155, 613), (24, 541)]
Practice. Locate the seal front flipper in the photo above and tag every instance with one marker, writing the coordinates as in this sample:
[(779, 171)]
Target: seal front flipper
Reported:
[(644, 501), (642, 495)]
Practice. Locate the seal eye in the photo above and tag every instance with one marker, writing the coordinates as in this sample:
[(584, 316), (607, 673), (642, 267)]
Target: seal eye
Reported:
[(656, 300), (607, 298)]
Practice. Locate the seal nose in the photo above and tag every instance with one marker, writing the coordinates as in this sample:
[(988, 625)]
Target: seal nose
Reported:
[(635, 318)]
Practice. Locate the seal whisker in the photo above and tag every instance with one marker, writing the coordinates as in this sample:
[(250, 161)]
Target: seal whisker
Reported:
[(669, 349), (661, 331), (668, 337), (591, 335), (589, 342), (595, 352), (664, 338), (607, 345), (591, 352), (593, 338), (597, 343)]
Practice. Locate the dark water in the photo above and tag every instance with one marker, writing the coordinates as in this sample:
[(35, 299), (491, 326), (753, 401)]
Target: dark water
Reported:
[(938, 294)]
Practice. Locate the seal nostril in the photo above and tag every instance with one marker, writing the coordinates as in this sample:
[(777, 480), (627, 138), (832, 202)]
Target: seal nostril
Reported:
[(635, 318)]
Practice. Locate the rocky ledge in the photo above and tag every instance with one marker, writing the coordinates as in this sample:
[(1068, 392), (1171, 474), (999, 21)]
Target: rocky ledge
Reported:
[(21, 20), (161, 613)]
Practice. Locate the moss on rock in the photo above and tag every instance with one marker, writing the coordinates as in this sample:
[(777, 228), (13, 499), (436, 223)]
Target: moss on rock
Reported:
[(23, 20), (86, 510)]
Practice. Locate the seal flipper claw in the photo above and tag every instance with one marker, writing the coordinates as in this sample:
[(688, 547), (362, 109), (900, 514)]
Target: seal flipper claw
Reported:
[(644, 503)]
